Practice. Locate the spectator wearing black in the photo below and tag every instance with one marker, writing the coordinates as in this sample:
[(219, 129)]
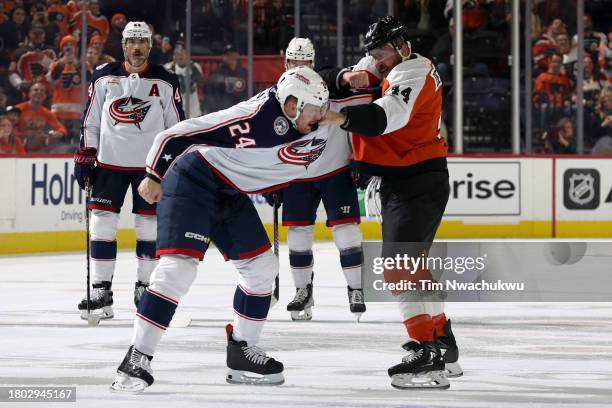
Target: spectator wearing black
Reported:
[(227, 84), (592, 38), (442, 51), (559, 139), (16, 30), (113, 46), (275, 25), (40, 15)]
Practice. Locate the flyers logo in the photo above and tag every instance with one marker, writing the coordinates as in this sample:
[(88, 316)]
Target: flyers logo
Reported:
[(129, 110), (302, 152)]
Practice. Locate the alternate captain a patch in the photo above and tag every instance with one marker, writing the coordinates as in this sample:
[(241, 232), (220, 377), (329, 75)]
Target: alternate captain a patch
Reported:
[(129, 110)]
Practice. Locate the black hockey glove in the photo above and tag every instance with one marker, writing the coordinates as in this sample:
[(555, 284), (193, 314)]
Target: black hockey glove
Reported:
[(360, 180), (85, 165), (274, 198)]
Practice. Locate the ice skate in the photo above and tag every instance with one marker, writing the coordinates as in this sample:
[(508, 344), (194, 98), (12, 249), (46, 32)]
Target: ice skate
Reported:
[(421, 368), (448, 346), (356, 303), (139, 289), (101, 302), (250, 364), (134, 374), (301, 305)]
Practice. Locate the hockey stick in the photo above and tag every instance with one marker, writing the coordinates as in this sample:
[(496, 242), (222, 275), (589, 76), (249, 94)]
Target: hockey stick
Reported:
[(92, 320), (276, 293)]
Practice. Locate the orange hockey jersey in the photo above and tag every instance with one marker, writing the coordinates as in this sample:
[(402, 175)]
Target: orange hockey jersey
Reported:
[(412, 101)]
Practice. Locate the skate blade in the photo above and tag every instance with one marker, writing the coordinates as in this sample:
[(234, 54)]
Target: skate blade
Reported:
[(245, 377), (301, 315), (431, 380), (102, 314), (453, 370), (128, 385)]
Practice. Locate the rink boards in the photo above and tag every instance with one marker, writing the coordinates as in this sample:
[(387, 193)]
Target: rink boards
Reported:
[(42, 208)]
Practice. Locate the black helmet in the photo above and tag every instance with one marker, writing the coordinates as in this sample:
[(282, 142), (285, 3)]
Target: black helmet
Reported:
[(387, 29)]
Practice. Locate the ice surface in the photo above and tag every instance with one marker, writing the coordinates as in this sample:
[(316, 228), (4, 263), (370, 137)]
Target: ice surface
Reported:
[(513, 354)]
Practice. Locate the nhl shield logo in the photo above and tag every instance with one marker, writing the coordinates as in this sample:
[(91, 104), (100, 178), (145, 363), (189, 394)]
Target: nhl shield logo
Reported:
[(281, 125), (581, 189)]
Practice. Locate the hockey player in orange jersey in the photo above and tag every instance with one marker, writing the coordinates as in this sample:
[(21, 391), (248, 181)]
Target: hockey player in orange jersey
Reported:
[(397, 138)]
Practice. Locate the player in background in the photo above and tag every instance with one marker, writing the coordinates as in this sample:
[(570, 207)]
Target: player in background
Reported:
[(129, 104), (300, 202), (202, 200), (397, 138)]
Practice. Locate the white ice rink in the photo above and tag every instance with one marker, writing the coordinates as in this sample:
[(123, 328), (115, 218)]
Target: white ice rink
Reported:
[(513, 355)]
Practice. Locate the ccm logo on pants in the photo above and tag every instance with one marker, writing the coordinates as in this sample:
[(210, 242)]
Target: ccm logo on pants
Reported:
[(195, 236)]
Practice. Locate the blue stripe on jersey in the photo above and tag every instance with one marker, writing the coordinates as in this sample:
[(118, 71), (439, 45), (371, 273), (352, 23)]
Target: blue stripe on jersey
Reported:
[(251, 307), (351, 257), (156, 309), (300, 259), (104, 250)]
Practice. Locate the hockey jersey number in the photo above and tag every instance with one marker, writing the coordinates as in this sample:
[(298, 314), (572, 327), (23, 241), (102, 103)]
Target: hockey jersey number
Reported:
[(239, 129)]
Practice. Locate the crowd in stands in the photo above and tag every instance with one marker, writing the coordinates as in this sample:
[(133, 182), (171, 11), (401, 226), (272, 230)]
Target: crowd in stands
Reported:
[(42, 86)]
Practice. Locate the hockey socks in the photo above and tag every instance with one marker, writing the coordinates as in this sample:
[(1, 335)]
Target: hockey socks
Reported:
[(145, 252), (103, 255), (301, 263), (420, 328), (351, 259), (250, 313), (154, 314)]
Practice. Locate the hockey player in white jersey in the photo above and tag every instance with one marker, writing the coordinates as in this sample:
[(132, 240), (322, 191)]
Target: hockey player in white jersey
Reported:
[(300, 202), (202, 200), (129, 104)]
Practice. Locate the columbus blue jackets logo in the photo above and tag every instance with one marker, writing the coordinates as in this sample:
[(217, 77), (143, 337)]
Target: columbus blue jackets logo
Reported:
[(129, 110), (302, 152)]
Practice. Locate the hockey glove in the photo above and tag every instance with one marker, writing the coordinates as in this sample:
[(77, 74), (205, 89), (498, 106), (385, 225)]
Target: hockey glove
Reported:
[(274, 198), (360, 180), (85, 165)]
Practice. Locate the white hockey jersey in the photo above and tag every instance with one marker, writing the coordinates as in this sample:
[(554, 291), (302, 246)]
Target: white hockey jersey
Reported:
[(251, 125), (126, 111)]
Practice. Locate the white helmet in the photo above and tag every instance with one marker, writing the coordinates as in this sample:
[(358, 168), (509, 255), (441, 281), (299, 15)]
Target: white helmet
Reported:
[(304, 84), (136, 29), (300, 49)]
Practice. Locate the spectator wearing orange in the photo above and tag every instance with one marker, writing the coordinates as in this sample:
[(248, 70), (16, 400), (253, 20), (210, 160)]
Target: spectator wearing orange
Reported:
[(35, 120), (9, 143), (97, 42), (96, 22), (33, 60), (552, 92), (65, 77), (475, 14), (546, 44), (113, 45), (60, 14)]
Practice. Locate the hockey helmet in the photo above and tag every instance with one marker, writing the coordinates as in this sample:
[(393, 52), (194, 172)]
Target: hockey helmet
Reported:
[(300, 49), (305, 85), (137, 29), (387, 30)]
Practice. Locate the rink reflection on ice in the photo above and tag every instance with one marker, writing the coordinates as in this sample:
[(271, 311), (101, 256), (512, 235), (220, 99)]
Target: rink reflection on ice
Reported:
[(513, 354)]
